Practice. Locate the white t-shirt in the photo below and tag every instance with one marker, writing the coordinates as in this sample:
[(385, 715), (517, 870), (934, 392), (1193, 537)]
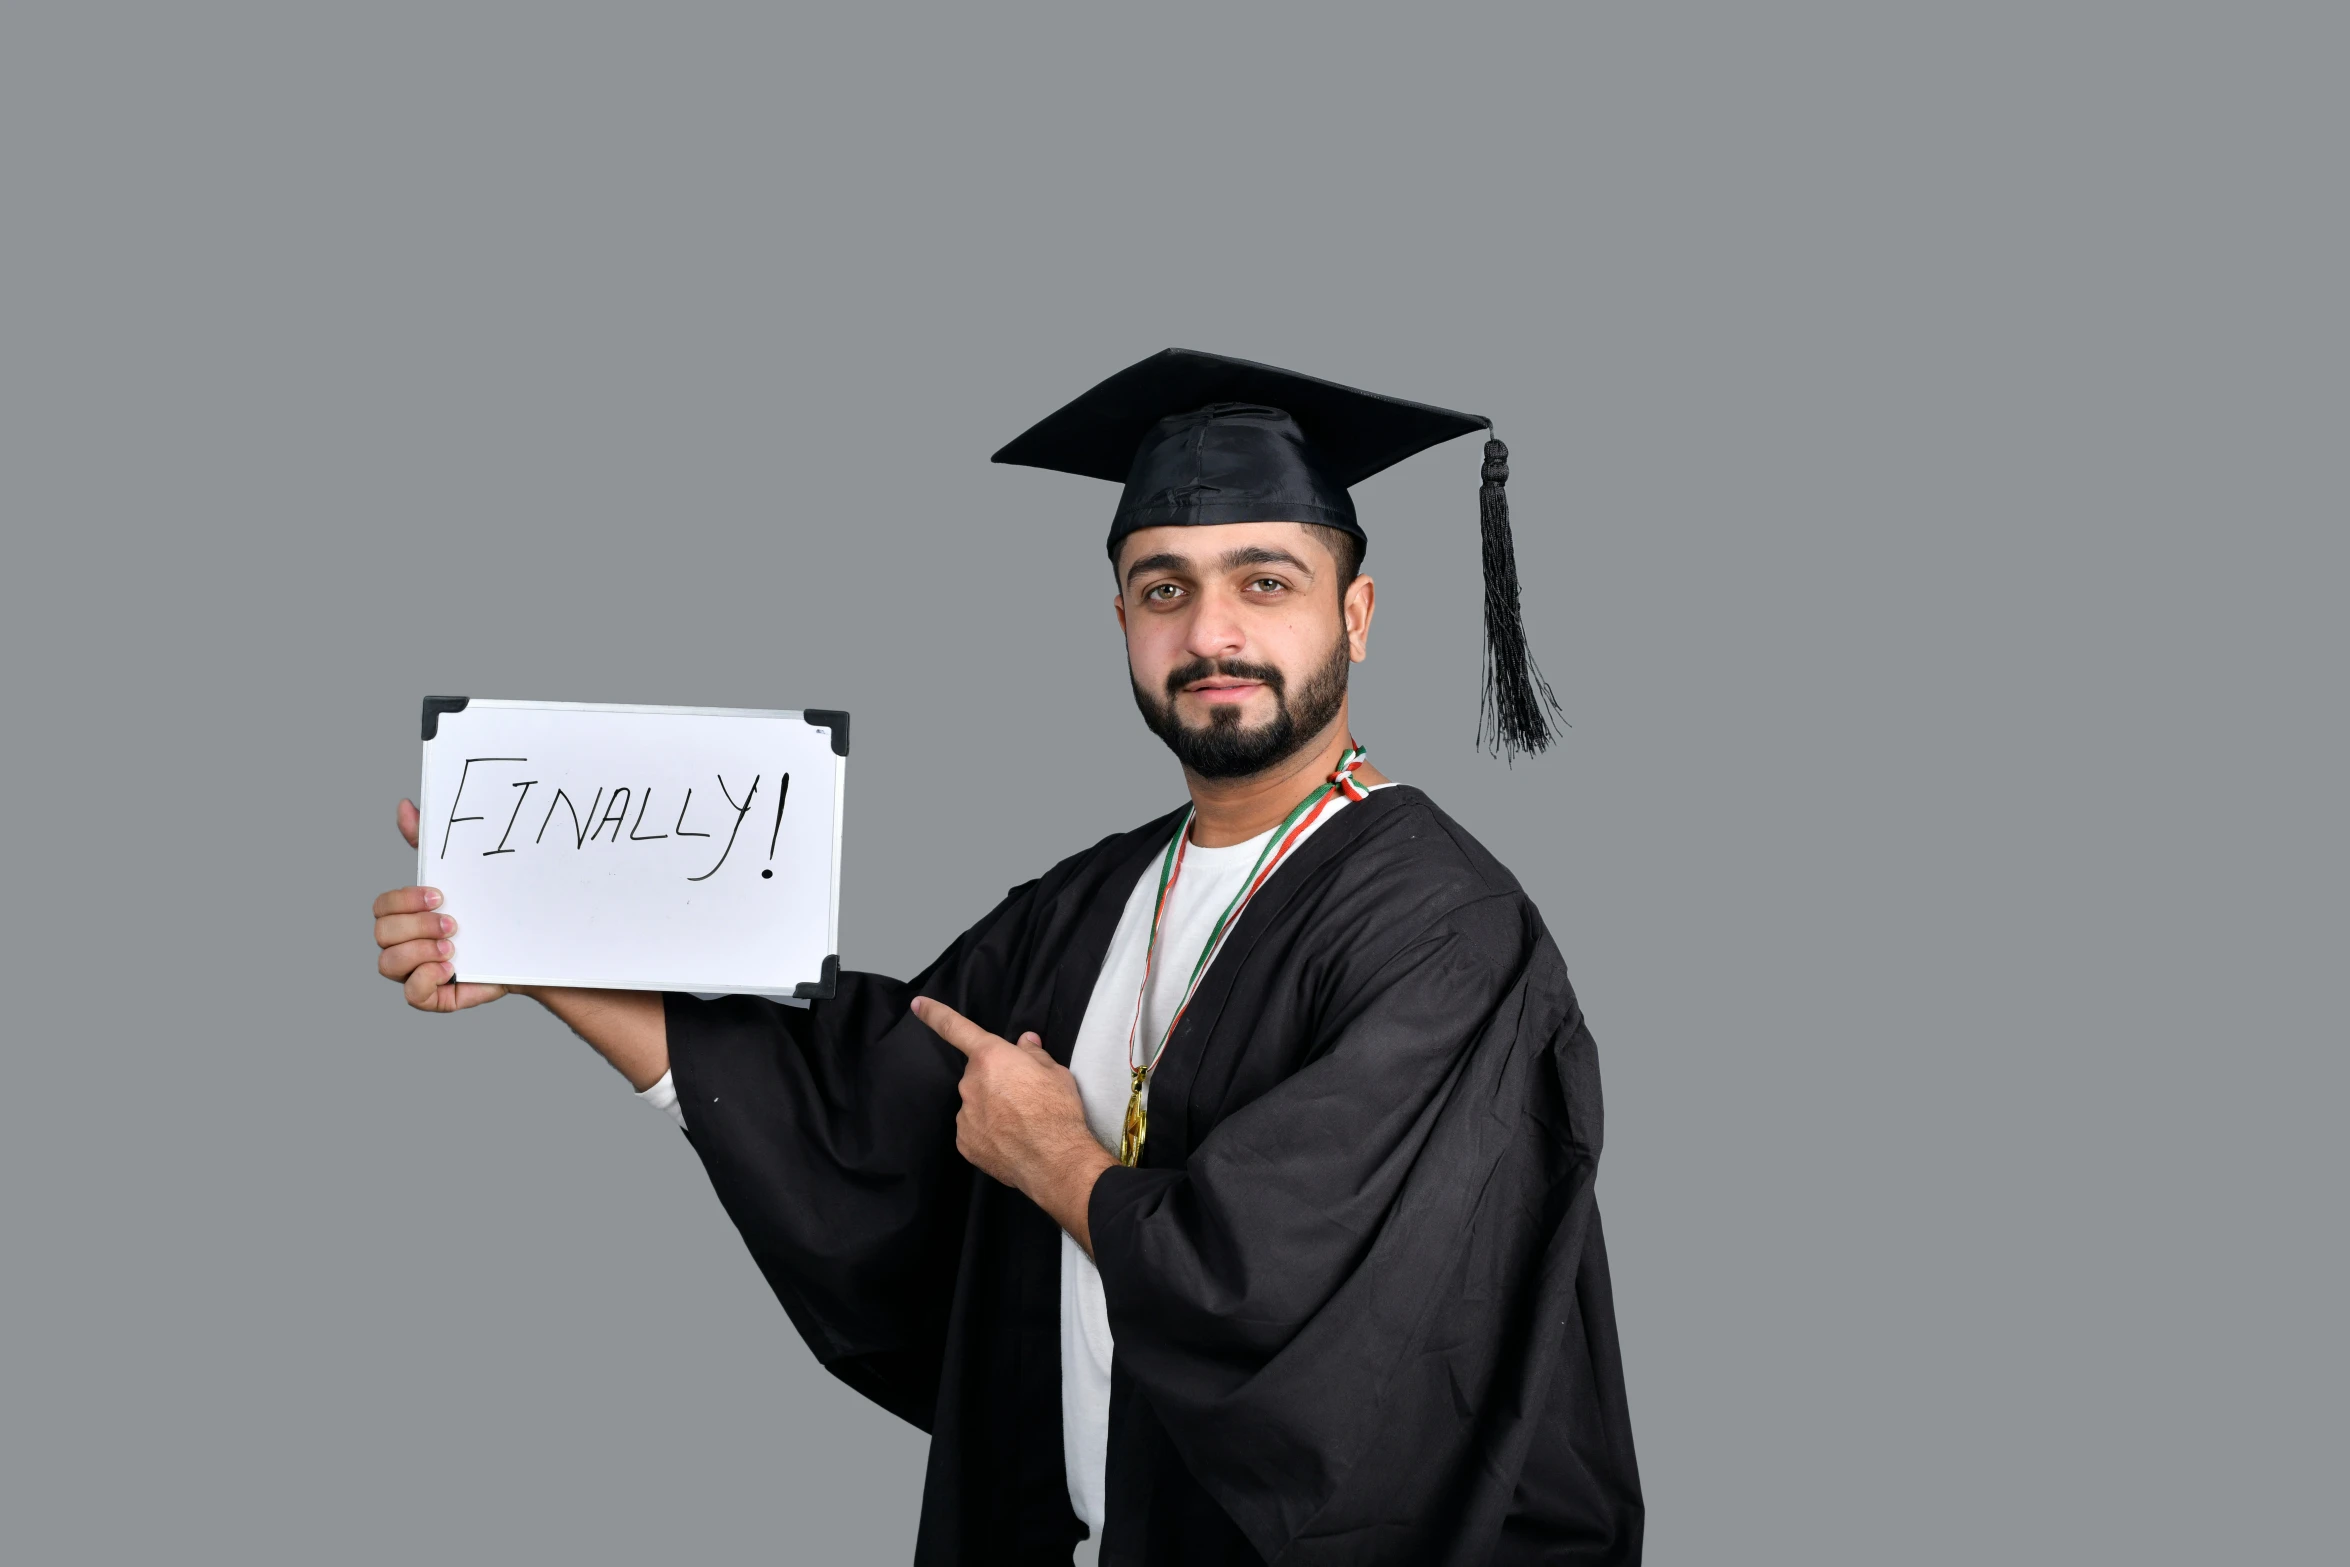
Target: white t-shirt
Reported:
[(1098, 1061)]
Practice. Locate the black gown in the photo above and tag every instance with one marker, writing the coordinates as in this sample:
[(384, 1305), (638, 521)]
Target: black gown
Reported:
[(1357, 1284)]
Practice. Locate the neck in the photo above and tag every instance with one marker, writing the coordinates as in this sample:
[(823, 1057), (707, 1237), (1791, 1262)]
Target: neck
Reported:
[(1226, 811)]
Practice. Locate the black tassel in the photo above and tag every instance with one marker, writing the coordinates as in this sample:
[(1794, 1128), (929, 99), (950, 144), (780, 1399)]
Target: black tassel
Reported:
[(1518, 708)]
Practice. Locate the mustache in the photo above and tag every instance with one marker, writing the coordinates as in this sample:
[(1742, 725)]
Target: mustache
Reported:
[(1230, 668)]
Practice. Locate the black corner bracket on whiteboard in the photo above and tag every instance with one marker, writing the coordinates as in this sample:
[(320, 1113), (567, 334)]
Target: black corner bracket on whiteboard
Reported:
[(435, 706), (834, 719), (820, 990)]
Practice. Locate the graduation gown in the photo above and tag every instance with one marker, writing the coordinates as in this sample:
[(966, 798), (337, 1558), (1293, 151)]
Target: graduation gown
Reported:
[(1357, 1282)]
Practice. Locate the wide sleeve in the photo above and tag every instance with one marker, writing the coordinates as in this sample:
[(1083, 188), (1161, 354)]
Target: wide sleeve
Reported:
[(828, 1133), (1349, 1306)]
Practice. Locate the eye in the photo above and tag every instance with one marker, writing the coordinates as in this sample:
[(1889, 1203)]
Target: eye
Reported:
[(1268, 585), (1161, 592)]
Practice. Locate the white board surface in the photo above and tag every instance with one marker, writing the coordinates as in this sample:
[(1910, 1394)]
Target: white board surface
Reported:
[(636, 848)]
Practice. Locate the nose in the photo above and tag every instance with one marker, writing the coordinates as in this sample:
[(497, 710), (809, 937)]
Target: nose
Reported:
[(1215, 629)]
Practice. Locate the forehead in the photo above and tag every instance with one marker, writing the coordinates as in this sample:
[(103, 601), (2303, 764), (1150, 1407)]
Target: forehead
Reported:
[(1204, 546)]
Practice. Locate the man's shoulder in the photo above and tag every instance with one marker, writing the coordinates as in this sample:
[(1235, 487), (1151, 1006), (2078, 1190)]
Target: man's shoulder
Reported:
[(1396, 863), (1409, 879), (1405, 833)]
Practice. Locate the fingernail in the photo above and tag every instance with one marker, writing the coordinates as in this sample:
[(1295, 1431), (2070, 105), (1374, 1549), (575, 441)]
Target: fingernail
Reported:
[(448, 926), (444, 948), (432, 897)]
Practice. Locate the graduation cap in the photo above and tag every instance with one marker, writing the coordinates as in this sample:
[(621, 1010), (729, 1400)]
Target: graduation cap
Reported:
[(1198, 439)]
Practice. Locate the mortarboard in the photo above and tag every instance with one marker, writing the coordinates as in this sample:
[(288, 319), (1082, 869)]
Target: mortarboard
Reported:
[(1200, 439)]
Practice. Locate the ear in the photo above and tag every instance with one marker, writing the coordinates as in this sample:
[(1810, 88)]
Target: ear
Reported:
[(1357, 603)]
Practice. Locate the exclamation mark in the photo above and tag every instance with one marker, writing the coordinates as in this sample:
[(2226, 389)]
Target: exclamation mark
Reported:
[(782, 793)]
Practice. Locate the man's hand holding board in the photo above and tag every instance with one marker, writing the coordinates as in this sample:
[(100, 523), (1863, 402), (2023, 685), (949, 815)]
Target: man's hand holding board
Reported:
[(419, 953)]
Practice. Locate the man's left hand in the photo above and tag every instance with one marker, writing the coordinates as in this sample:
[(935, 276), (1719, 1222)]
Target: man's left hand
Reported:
[(1021, 1120)]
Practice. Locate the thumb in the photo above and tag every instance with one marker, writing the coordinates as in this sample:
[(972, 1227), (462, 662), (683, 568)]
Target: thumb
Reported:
[(408, 819), (1033, 1043)]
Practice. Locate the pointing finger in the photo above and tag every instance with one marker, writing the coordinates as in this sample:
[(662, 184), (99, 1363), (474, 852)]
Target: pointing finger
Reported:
[(953, 1026)]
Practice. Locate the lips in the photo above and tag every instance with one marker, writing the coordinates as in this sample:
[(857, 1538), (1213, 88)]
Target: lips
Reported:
[(1222, 682)]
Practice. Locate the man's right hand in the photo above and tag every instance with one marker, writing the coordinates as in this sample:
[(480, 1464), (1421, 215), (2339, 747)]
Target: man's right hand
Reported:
[(417, 953)]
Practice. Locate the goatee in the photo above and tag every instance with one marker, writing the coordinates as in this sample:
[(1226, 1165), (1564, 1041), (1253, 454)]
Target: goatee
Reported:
[(1221, 748)]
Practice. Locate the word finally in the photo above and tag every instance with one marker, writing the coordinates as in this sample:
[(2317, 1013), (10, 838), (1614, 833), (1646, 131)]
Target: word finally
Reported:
[(619, 810)]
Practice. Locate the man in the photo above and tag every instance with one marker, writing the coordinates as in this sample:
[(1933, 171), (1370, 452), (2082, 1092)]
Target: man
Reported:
[(1227, 1190)]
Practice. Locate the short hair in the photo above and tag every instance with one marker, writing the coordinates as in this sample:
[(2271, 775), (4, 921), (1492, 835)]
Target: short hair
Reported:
[(1346, 548)]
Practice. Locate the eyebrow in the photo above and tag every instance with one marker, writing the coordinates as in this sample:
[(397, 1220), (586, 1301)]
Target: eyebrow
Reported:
[(1231, 560), (1263, 555), (1165, 560)]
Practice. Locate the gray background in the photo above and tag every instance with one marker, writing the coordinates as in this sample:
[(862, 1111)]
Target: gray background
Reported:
[(1928, 432)]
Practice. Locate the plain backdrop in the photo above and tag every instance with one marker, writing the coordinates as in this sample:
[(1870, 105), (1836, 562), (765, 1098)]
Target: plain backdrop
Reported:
[(1928, 431)]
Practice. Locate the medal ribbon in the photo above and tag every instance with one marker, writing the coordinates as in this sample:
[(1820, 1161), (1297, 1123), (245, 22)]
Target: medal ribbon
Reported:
[(1278, 843)]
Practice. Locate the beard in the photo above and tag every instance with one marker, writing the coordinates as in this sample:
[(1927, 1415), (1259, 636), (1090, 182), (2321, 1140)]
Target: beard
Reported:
[(1221, 748)]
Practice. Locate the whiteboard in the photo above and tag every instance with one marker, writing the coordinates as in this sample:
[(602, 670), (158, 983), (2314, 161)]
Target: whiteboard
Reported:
[(636, 848)]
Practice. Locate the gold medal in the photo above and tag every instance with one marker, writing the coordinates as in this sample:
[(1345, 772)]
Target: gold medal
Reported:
[(1130, 1140)]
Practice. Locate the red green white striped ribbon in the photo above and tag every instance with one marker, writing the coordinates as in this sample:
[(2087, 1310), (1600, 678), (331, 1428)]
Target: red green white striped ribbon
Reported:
[(1277, 846)]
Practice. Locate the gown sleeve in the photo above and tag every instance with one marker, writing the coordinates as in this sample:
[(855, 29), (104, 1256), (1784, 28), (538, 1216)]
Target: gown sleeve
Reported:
[(662, 1096), (1349, 1307), (828, 1133)]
